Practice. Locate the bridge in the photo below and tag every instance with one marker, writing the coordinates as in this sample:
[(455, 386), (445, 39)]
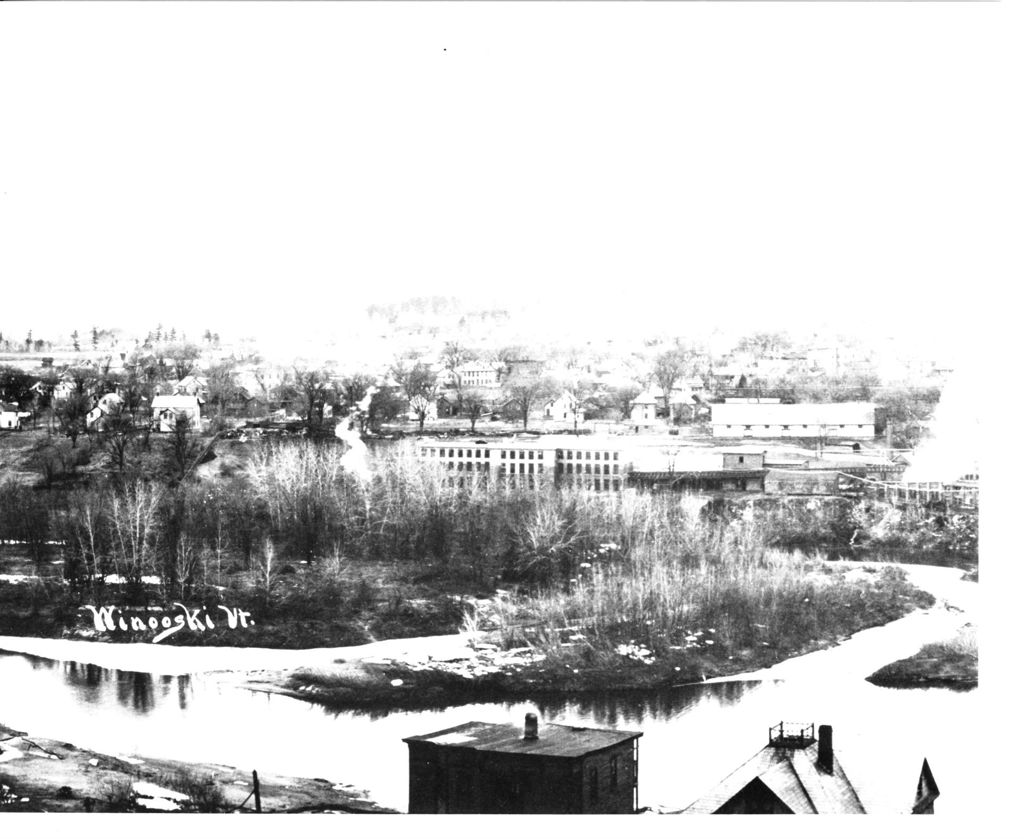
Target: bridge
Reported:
[(960, 494)]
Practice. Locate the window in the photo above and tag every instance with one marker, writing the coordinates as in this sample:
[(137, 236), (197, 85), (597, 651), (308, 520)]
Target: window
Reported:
[(531, 468), (606, 468), (531, 455), (522, 455), (615, 456), (460, 452), (606, 455), (614, 769), (615, 469), (588, 455), (502, 454), (741, 458)]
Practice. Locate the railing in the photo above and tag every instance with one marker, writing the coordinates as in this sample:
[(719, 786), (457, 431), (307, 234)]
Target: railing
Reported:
[(927, 491), (791, 734)]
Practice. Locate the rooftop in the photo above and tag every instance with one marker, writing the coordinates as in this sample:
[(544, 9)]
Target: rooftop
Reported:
[(788, 766), (553, 740)]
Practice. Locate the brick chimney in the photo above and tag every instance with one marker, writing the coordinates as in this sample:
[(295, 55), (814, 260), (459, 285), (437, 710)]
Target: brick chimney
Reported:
[(530, 731), (825, 755)]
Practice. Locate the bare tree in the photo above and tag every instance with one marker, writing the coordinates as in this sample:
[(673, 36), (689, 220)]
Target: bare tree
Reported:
[(182, 448), (182, 357), (71, 414), (134, 528), (314, 387), (523, 391), (419, 386), (475, 403), (116, 438), (670, 367), (453, 357)]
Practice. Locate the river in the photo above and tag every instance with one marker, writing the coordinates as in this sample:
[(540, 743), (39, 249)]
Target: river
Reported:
[(693, 735)]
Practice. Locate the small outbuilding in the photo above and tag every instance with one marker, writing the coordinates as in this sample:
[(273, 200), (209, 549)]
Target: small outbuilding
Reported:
[(491, 768), (10, 416)]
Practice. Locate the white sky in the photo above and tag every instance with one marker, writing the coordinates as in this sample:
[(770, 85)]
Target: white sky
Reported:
[(263, 167)]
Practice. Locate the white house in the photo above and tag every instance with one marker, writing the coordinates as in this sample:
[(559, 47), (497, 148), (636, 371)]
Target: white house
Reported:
[(644, 409), (810, 419), (167, 409), (10, 416), (105, 405), (479, 374), (562, 407), (193, 385)]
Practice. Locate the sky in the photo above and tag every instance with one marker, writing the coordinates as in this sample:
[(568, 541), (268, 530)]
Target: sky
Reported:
[(268, 169)]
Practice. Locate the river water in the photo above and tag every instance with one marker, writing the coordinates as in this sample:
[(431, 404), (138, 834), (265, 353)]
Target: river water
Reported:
[(693, 735)]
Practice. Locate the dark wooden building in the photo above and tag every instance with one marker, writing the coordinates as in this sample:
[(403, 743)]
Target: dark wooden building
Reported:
[(486, 768)]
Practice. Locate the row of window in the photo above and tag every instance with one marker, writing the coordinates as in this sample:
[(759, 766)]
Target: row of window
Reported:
[(568, 455), (788, 427), (524, 454), (585, 469)]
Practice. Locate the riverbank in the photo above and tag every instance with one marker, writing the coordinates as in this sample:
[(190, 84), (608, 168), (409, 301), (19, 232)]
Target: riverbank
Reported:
[(485, 671), (40, 775), (951, 664)]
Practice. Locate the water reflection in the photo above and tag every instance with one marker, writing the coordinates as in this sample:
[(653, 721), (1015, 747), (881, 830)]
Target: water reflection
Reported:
[(95, 685), (206, 718)]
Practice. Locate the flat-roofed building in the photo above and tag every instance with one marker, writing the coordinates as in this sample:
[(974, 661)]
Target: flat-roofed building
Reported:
[(482, 767), (587, 462)]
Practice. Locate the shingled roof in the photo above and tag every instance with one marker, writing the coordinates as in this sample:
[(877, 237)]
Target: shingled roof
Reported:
[(790, 770)]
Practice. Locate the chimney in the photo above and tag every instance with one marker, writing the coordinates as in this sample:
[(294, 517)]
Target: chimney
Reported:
[(530, 732), (825, 748)]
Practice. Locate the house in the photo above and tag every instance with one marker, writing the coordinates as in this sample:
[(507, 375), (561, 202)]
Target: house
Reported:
[(811, 419), (481, 767), (644, 409), (651, 403), (167, 409), (479, 374), (193, 385), (64, 389), (10, 416), (562, 407), (799, 772), (107, 404)]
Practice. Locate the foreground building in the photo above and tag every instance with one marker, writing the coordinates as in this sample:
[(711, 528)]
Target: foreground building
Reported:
[(500, 768), (799, 772)]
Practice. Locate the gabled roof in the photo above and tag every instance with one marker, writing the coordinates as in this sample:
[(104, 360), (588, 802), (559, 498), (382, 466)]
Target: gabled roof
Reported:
[(175, 401), (793, 776)]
